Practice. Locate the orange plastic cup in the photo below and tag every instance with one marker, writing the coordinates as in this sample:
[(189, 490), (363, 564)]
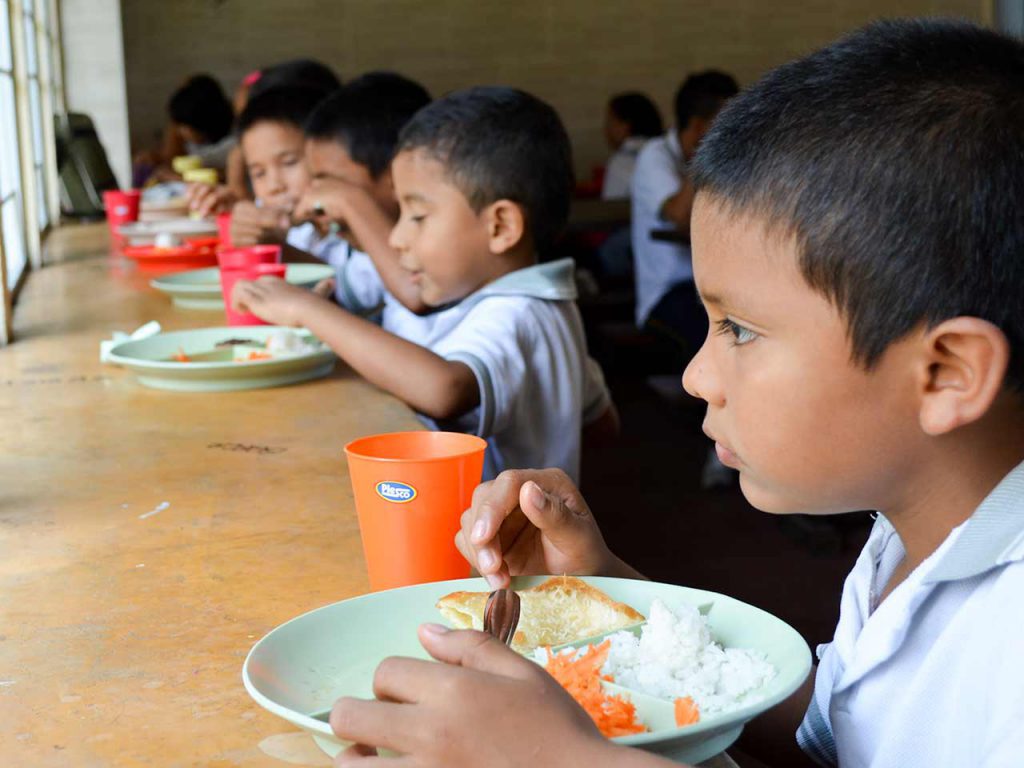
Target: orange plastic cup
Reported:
[(228, 278), (411, 489)]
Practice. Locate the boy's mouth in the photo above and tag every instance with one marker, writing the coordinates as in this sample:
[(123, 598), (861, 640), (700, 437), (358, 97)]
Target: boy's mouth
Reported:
[(725, 454)]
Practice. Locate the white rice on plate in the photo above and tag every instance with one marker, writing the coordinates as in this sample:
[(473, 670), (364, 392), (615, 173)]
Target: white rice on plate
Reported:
[(675, 656)]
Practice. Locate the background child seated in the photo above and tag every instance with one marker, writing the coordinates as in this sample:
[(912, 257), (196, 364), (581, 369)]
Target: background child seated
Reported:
[(483, 178), (273, 147), (631, 119), (867, 352)]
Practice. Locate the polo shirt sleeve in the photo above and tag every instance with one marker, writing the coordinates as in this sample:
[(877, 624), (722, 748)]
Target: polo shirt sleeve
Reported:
[(495, 345), (655, 178), (596, 399)]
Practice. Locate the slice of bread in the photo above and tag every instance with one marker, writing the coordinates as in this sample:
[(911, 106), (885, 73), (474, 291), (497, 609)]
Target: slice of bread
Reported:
[(561, 610)]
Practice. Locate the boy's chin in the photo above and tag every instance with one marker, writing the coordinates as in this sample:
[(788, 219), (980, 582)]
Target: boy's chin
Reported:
[(768, 500)]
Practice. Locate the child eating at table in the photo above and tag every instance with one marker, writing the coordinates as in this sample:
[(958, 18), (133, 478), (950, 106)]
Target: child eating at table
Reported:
[(350, 140), (270, 129), (483, 179), (857, 239)]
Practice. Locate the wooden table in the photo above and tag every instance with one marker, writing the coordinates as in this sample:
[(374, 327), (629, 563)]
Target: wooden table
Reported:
[(148, 538)]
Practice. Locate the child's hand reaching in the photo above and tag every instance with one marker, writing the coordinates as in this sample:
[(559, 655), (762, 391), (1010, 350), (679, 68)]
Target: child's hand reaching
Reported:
[(209, 199), (326, 202), (486, 705), (534, 522), (251, 224), (273, 300)]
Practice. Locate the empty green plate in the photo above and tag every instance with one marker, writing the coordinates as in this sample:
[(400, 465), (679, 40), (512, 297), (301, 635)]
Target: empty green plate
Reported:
[(299, 669), (200, 288), (214, 370)]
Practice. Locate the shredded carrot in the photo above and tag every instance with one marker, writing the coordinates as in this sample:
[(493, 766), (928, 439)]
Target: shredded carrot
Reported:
[(687, 712), (581, 677), (181, 357), (257, 355)]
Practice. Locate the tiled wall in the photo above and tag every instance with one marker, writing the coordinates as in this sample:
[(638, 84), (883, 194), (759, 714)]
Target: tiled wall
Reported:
[(574, 53)]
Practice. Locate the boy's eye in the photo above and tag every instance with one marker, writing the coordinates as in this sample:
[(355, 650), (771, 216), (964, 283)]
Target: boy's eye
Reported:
[(740, 335), (418, 218)]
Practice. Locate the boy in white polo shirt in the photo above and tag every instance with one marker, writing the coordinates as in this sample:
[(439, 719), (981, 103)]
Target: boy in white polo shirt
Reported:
[(483, 179), (857, 238)]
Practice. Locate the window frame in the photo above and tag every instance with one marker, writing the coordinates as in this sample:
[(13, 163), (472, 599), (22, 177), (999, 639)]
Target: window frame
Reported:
[(39, 190)]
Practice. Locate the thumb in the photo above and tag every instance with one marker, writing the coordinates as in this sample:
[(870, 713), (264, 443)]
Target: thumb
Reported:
[(473, 650), (548, 512)]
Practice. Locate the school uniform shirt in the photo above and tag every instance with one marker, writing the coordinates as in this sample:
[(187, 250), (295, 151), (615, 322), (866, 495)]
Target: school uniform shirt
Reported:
[(657, 266), (358, 288), (934, 676), (522, 337), (618, 173)]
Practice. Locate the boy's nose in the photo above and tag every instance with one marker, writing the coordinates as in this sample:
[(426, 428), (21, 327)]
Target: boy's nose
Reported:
[(395, 239), (700, 379)]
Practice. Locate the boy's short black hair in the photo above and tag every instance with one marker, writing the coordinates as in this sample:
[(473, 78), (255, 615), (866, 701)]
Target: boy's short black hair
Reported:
[(201, 105), (895, 156), (365, 116), (702, 95), (638, 112), (500, 144), (296, 73), (291, 106)]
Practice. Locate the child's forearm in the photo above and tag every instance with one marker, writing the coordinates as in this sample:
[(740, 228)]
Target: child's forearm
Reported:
[(372, 227), (433, 386)]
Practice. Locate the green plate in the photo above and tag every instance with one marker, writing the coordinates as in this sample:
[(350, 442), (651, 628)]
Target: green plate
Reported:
[(152, 360), (200, 288), (299, 669)]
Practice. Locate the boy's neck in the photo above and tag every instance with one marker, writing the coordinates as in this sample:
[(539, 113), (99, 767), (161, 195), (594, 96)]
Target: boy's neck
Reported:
[(955, 476), (519, 257)]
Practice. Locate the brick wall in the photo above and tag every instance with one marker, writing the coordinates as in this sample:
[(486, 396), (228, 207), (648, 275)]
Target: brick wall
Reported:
[(574, 53)]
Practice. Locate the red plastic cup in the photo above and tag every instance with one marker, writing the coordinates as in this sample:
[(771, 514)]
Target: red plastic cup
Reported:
[(224, 229), (230, 276), (122, 206), (236, 258), (410, 490)]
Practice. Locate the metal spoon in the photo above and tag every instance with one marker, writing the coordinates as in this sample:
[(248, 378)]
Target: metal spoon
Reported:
[(501, 615)]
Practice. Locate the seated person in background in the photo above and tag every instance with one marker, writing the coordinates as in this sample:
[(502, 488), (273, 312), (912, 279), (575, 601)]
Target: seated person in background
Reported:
[(631, 120), (663, 197), (483, 178), (200, 124), (868, 353)]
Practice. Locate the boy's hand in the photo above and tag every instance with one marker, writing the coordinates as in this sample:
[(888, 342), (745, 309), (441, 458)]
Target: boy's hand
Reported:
[(209, 199), (326, 288), (533, 522), (251, 224), (324, 202), (272, 300), (486, 705)]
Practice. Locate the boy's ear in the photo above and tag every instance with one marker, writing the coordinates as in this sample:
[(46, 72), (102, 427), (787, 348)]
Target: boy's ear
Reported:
[(506, 225), (964, 366)]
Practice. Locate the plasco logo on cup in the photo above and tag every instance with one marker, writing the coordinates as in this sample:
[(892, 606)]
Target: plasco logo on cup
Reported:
[(398, 493)]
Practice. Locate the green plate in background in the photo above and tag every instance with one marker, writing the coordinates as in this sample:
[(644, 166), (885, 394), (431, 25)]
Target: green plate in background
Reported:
[(299, 669), (152, 360), (200, 288)]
